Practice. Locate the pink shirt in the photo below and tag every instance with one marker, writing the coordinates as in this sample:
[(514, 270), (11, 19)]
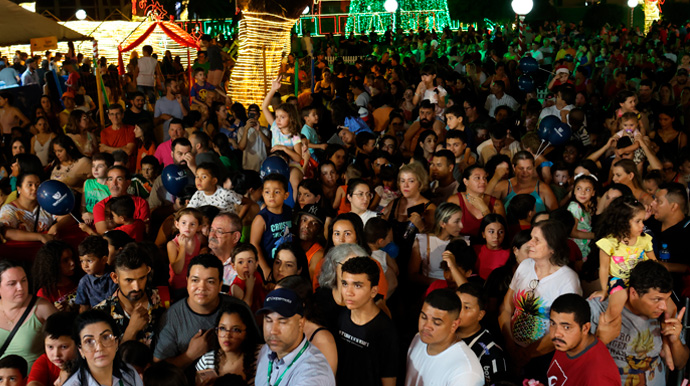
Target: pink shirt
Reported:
[(164, 153)]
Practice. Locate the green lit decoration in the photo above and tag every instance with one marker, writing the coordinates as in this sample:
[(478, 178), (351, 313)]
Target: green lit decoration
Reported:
[(410, 15)]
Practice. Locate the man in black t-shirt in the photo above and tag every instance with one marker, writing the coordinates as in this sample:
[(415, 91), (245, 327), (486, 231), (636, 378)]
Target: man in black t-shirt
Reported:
[(136, 113), (671, 227), (366, 337), (478, 338)]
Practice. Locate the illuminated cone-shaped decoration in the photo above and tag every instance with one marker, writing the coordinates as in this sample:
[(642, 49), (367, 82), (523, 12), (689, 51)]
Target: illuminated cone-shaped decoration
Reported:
[(263, 40), (651, 14)]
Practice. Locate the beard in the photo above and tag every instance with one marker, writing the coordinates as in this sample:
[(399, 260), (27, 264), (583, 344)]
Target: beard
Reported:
[(425, 123)]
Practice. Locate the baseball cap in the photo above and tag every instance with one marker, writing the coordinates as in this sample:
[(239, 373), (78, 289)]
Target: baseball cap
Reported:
[(67, 94), (283, 301), (682, 71), (315, 211)]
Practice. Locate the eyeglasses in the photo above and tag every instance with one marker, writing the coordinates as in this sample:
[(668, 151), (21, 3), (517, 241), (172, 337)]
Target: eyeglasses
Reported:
[(106, 340), (533, 286), (363, 194), (219, 231), (222, 331)]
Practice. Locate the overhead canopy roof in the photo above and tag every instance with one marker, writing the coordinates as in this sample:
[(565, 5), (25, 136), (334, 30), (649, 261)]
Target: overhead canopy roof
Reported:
[(19, 26)]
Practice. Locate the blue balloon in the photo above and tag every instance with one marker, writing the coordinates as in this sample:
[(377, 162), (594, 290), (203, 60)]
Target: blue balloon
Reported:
[(528, 65), (174, 178), (55, 197), (526, 83), (274, 164), (546, 125), (560, 134)]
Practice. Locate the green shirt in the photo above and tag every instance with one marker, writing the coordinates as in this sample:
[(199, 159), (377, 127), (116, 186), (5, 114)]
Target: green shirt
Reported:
[(93, 193)]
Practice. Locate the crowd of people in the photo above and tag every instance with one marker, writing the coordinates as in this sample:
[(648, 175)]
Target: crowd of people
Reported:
[(398, 223)]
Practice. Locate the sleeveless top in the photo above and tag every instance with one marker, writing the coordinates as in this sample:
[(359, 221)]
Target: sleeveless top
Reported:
[(28, 341), (179, 280), (539, 206), (470, 224), (312, 251), (42, 150), (345, 206), (275, 226), (669, 149)]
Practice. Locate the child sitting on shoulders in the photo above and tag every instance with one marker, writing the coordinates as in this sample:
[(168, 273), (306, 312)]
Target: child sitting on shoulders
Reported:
[(210, 193)]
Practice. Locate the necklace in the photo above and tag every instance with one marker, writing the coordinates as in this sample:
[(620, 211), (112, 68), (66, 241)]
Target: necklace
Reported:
[(10, 321)]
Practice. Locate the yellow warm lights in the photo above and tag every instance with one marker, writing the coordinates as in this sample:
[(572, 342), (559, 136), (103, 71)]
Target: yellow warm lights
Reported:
[(109, 35), (263, 41)]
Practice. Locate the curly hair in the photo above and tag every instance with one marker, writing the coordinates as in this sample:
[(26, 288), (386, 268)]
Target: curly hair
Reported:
[(615, 221), (46, 270)]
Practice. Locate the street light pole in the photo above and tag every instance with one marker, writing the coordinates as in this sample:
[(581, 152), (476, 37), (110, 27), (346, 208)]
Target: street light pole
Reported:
[(632, 4), (522, 8)]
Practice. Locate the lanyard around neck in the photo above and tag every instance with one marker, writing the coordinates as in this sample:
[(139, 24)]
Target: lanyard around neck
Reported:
[(280, 378)]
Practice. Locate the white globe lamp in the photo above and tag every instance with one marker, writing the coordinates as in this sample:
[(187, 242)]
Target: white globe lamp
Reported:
[(80, 14), (522, 7), (390, 6)]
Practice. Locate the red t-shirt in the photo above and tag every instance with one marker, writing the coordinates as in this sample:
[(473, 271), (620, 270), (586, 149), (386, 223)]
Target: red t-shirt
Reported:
[(135, 230), (120, 138), (258, 295), (437, 284), (575, 253), (43, 371), (592, 367), (141, 209), (488, 260)]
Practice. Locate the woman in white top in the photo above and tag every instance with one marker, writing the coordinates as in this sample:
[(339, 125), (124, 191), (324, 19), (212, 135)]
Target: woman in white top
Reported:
[(537, 282), (40, 143), (428, 248), (359, 195), (96, 335)]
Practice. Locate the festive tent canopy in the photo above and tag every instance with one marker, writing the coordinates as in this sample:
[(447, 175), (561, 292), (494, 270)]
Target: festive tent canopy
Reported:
[(145, 31), (19, 26)]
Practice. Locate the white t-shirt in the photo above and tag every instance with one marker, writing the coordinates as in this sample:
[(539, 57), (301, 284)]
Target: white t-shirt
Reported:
[(255, 153), (536, 54), (223, 199), (367, 215), (563, 281), (433, 259), (147, 71), (457, 365)]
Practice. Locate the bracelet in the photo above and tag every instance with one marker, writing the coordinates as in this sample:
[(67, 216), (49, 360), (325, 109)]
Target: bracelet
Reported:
[(546, 164)]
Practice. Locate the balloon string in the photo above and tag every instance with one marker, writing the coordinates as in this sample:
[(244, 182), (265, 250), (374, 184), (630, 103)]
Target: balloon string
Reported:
[(545, 147), (75, 219), (539, 148)]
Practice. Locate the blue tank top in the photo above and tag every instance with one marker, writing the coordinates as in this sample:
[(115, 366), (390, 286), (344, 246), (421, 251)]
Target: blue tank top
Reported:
[(275, 227), (539, 205)]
